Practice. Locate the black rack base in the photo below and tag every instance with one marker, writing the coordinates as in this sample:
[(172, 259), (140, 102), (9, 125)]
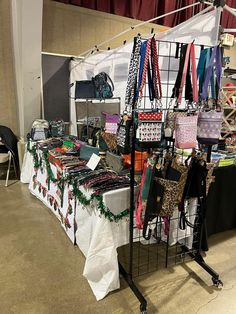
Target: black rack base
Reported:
[(133, 287), (197, 257)]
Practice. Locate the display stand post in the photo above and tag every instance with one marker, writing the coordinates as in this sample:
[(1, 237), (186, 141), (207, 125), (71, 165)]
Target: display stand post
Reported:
[(128, 275)]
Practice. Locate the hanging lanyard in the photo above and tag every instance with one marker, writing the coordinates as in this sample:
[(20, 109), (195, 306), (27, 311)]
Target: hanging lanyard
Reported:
[(154, 81), (201, 68), (208, 59), (145, 67), (216, 55), (218, 70), (156, 71), (141, 64), (190, 54)]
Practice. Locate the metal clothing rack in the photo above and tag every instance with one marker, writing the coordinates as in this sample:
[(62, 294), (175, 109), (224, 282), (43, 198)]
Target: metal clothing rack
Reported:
[(99, 105), (162, 251)]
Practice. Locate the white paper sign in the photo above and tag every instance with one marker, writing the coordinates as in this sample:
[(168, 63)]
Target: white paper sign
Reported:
[(93, 161)]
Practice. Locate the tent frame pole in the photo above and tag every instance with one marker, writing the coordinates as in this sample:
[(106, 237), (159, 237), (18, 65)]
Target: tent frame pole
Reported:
[(95, 48), (229, 30), (229, 9)]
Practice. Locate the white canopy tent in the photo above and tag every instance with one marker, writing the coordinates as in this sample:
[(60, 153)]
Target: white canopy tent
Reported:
[(202, 28)]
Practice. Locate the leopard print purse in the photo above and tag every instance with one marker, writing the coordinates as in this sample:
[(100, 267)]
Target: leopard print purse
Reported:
[(169, 198), (183, 170)]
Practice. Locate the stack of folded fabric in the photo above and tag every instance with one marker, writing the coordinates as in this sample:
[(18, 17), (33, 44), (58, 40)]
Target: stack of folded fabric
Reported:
[(101, 181)]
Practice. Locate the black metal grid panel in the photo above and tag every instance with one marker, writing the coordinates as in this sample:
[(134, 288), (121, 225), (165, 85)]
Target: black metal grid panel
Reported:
[(168, 53), (140, 257), (164, 250)]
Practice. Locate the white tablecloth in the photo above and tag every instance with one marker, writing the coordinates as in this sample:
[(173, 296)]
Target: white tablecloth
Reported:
[(97, 237)]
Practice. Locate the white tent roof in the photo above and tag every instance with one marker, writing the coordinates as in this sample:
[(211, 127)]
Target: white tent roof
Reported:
[(203, 28)]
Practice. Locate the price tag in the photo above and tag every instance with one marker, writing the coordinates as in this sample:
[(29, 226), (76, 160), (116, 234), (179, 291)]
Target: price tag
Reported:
[(93, 161)]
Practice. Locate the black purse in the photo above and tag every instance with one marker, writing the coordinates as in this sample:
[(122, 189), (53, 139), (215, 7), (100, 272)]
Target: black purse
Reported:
[(154, 201), (85, 89)]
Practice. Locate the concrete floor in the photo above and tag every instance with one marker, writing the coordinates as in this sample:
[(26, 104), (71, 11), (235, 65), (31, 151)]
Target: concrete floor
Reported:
[(41, 271)]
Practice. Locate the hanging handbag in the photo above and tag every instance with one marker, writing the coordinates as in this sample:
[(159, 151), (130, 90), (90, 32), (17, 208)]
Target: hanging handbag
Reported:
[(124, 135), (178, 172), (57, 128), (196, 180), (149, 128), (209, 127), (154, 202), (169, 199), (170, 121), (186, 132), (149, 121)]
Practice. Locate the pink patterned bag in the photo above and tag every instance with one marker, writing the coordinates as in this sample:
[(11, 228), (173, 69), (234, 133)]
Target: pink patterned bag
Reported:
[(111, 122), (186, 132)]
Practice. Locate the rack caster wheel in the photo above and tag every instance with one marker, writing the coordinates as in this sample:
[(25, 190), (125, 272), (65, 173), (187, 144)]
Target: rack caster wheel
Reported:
[(143, 309), (217, 282)]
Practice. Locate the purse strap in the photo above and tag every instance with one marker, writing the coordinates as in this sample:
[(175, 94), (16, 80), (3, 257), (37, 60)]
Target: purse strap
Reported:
[(141, 63), (194, 73), (154, 80), (208, 57), (190, 54), (201, 68), (132, 76), (216, 55), (218, 69), (139, 201), (156, 71), (110, 80), (185, 68), (145, 67)]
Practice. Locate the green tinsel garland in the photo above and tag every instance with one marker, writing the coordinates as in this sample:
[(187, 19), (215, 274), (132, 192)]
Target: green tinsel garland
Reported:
[(33, 151), (105, 211), (80, 196), (51, 176), (61, 187)]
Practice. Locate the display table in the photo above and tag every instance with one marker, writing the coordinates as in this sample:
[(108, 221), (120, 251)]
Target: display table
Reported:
[(96, 236), (88, 227)]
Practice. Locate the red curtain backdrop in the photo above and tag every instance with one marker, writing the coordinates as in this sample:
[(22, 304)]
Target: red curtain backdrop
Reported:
[(145, 10)]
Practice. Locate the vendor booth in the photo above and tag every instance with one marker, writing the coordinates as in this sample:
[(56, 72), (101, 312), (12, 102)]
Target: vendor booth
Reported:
[(142, 166)]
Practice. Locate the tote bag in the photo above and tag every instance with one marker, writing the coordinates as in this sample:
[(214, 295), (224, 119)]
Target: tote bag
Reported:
[(209, 127), (186, 132)]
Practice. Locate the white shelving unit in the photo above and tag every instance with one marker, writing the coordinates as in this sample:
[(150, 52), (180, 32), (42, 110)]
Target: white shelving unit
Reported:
[(88, 110)]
